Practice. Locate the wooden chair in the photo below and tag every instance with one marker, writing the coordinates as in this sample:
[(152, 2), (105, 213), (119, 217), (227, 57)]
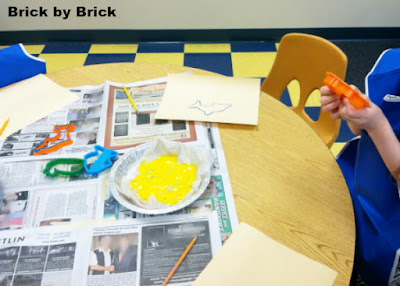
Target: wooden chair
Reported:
[(307, 58)]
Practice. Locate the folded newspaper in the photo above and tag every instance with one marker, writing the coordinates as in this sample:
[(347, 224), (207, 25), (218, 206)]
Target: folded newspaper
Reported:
[(132, 252), (30, 201)]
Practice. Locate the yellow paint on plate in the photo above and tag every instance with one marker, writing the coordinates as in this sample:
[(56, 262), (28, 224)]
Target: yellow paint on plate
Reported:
[(165, 179)]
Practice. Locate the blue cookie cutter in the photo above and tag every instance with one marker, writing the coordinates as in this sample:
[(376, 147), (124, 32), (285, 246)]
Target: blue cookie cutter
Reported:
[(103, 162)]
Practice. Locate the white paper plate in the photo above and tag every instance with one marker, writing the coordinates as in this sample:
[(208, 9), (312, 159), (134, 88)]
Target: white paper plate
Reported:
[(121, 168)]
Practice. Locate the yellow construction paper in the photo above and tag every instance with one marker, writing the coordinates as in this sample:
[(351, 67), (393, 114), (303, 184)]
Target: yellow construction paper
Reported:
[(30, 100), (249, 257)]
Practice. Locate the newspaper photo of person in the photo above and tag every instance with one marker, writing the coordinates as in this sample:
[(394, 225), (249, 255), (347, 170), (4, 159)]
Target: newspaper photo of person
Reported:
[(92, 138), (81, 139), (77, 114), (12, 209), (114, 254), (85, 138), (94, 112), (85, 125), (126, 254), (93, 97), (102, 257)]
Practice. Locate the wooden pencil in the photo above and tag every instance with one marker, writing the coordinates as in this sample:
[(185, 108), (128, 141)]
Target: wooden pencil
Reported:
[(179, 261), (130, 99), (4, 126)]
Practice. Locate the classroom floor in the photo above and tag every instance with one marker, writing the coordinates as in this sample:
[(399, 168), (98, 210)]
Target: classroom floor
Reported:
[(239, 59)]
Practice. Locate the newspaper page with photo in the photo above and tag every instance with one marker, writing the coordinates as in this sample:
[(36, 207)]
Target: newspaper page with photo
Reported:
[(43, 206), (143, 251), (218, 195), (13, 208), (43, 256), (113, 109), (87, 116), (131, 252), (126, 128)]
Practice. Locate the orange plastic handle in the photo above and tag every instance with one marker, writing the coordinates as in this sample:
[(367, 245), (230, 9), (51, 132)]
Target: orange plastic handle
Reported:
[(45, 149), (342, 89)]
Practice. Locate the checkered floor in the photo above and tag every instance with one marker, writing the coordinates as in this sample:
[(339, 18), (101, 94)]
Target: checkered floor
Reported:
[(239, 59)]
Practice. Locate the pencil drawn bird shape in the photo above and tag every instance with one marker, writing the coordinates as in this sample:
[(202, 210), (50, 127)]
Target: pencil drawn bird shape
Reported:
[(211, 108)]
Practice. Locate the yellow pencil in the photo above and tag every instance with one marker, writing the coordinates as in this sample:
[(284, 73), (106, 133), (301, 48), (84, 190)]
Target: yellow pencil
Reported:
[(4, 126), (179, 261), (130, 99)]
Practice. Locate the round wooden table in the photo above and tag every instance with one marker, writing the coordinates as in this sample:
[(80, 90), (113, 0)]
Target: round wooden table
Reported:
[(285, 181)]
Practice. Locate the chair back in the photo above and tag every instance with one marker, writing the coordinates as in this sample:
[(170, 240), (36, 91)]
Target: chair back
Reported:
[(307, 58)]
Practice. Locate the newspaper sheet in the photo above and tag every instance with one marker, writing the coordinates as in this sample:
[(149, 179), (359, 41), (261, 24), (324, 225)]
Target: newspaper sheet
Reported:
[(86, 114), (126, 128), (43, 206), (43, 256), (23, 174), (106, 111), (132, 252)]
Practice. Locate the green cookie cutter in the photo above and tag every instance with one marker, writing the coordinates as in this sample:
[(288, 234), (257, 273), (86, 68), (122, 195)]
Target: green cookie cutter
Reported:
[(63, 161)]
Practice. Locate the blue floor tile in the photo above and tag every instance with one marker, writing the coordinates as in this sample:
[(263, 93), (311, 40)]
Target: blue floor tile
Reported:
[(285, 98), (253, 47), (93, 59), (215, 62), (160, 48), (313, 112), (345, 133), (56, 48)]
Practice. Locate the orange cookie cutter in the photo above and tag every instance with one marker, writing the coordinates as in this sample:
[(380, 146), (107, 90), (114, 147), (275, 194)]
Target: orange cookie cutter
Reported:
[(44, 149), (344, 90)]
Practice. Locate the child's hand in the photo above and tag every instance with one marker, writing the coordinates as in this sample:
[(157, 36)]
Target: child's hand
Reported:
[(330, 102), (367, 118)]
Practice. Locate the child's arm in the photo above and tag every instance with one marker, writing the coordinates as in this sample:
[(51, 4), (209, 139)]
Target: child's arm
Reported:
[(388, 146), (372, 120)]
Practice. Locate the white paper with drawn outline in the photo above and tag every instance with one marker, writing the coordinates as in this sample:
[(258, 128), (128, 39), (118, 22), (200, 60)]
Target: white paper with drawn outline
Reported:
[(210, 99)]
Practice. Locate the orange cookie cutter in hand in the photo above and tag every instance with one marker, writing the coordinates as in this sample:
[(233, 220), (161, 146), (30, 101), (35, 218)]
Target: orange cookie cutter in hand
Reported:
[(344, 90), (44, 149)]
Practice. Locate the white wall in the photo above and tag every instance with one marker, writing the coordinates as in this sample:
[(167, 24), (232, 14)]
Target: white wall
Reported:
[(210, 14)]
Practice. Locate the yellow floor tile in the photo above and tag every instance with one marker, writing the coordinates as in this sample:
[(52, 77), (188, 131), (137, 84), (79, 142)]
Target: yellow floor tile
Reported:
[(56, 62), (113, 49), (313, 99), (160, 58), (207, 48), (252, 64), (34, 49), (294, 92), (31, 49), (337, 147)]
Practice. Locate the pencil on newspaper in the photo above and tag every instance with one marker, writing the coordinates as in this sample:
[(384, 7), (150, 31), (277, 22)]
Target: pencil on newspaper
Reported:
[(130, 99), (179, 261), (4, 126)]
